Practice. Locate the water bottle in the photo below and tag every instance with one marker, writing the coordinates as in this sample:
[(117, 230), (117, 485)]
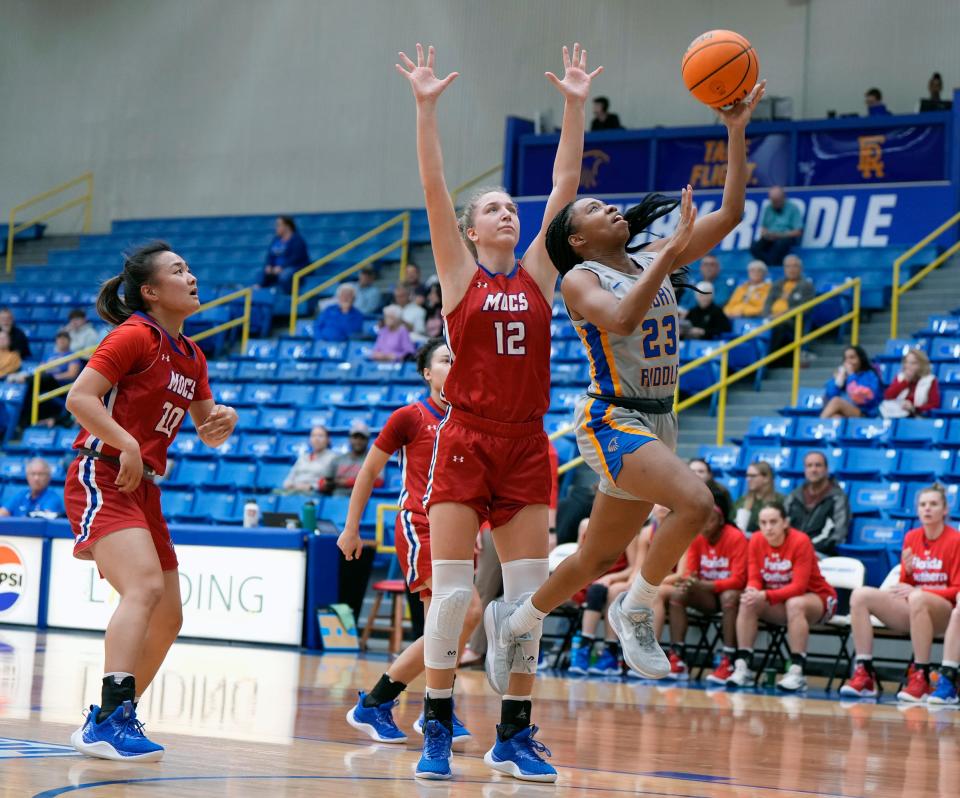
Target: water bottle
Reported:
[(308, 517), (251, 514)]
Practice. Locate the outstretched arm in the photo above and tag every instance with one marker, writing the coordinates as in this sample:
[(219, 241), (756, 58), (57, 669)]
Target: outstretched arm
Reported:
[(712, 228), (575, 88), (455, 266)]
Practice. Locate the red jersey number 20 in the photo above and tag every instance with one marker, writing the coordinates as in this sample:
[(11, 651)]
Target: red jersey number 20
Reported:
[(170, 420), (510, 336)]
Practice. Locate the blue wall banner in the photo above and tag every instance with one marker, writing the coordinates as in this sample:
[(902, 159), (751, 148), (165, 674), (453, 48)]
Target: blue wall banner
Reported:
[(893, 154), (610, 166), (702, 162)]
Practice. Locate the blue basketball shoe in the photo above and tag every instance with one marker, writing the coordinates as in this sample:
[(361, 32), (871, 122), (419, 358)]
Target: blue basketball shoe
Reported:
[(435, 760), (580, 660), (607, 664), (119, 737), (461, 734), (520, 757), (376, 721), (945, 694)]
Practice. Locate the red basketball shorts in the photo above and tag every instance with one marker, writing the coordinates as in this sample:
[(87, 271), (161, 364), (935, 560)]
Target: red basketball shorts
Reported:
[(412, 541), (96, 508), (494, 468)]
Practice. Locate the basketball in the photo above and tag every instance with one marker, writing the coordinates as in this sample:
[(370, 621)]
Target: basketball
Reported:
[(720, 67)]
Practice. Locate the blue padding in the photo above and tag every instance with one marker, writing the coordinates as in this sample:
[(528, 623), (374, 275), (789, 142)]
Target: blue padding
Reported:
[(186, 534)]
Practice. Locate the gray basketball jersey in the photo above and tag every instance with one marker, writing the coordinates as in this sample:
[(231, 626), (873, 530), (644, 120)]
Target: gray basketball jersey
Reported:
[(642, 365)]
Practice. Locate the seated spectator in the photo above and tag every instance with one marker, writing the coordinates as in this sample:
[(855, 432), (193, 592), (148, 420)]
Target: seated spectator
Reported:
[(287, 254), (914, 391), (789, 291), (602, 118), (18, 338), (433, 305), (781, 227), (343, 469), (819, 506), (784, 587), (39, 499), (709, 273), (393, 339), (9, 358), (855, 389), (576, 504), (749, 298), (920, 604), (53, 409), (413, 315), (412, 280), (707, 319), (312, 466), (596, 598), (340, 320), (369, 297), (716, 573), (873, 99), (760, 490), (83, 335)]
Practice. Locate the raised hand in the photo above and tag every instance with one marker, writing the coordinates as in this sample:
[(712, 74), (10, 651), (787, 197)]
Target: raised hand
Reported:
[(576, 80), (427, 87), (688, 215), (738, 115)]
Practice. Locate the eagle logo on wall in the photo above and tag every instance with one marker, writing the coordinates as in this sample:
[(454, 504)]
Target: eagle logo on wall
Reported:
[(592, 161)]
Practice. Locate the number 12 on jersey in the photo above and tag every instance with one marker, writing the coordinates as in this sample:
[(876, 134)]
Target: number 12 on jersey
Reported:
[(510, 336)]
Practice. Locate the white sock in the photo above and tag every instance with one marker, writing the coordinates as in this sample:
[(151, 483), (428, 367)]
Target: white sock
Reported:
[(118, 676), (525, 618), (949, 663), (640, 596), (518, 697), (436, 692)]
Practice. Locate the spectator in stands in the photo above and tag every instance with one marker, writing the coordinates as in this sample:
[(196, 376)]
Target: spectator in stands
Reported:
[(413, 315), (369, 296), (343, 469), (707, 319), (789, 291), (433, 305), (39, 499), (577, 503), (920, 604), (412, 280), (760, 490), (393, 338), (934, 102), (819, 507), (749, 298), (709, 273), (855, 389), (716, 573), (286, 255), (18, 338), (873, 99), (311, 466), (781, 227), (53, 410), (9, 358), (784, 587), (702, 469), (914, 391), (602, 118), (340, 320), (83, 334)]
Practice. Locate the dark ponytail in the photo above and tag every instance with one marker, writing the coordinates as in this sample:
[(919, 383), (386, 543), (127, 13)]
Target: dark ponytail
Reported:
[(640, 217), (137, 271)]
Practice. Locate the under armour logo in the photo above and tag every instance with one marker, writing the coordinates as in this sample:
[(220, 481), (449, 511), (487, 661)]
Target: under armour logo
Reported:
[(522, 714), (457, 459), (165, 358), (481, 284)]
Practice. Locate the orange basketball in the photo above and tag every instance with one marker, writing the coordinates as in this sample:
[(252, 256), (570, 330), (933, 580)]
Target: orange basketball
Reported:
[(720, 67)]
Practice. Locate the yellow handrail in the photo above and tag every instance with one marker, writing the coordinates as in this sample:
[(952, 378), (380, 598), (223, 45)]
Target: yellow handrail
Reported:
[(898, 290), (473, 181), (382, 509), (403, 243), (723, 352), (85, 199), (244, 320)]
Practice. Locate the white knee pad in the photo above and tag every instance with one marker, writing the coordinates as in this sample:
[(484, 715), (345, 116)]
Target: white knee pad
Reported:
[(521, 579), (452, 586)]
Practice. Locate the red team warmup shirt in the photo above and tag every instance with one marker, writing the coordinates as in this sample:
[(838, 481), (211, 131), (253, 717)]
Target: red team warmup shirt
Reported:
[(788, 570), (936, 563), (723, 563), (154, 379)]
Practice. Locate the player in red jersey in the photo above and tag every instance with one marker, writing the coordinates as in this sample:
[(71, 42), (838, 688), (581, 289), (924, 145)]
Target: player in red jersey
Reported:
[(785, 587), (716, 574), (130, 400), (491, 457), (411, 431), (919, 604)]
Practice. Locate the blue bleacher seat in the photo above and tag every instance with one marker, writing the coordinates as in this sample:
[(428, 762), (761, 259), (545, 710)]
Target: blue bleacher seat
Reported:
[(335, 510), (235, 473), (227, 393), (945, 349), (815, 432), (294, 348), (406, 394), (310, 417), (65, 438), (290, 446), (564, 398), (186, 443), (916, 431), (293, 503), (877, 531), (939, 324), (257, 370), (864, 431), (257, 446), (949, 373), (908, 510), (809, 403), (259, 393), (297, 370), (874, 498), (267, 502), (225, 370), (279, 418), (555, 422), (176, 503), (369, 395), (270, 475), (770, 429), (193, 473), (329, 350), (859, 463), (925, 464), (343, 417), (720, 458), (732, 483), (949, 402), (230, 447), (341, 371), (566, 447), (12, 468), (895, 349), (217, 506), (950, 437), (39, 438), (249, 418), (778, 457)]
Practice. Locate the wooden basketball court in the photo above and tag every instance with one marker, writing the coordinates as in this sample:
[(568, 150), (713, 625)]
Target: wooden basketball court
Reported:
[(241, 721)]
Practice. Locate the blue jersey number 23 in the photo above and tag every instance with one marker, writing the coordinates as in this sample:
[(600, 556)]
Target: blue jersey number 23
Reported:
[(652, 348)]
